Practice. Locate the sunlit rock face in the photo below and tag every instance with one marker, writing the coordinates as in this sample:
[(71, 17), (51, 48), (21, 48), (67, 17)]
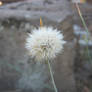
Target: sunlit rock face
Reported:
[(18, 19)]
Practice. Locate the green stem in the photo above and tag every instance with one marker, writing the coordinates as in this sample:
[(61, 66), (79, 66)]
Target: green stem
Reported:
[(85, 26), (82, 19), (51, 74)]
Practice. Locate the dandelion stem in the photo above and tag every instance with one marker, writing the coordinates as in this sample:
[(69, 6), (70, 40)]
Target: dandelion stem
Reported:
[(81, 17), (85, 26), (51, 74)]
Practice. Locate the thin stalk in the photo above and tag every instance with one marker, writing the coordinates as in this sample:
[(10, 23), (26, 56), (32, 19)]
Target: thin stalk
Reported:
[(82, 19), (51, 74), (85, 26)]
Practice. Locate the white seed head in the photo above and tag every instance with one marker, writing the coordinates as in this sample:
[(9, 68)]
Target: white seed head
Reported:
[(44, 43)]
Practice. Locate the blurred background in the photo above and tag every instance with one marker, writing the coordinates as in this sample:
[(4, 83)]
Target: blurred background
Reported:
[(72, 69)]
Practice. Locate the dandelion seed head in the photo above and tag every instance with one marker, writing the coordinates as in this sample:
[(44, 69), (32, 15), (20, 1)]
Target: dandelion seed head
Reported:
[(44, 43)]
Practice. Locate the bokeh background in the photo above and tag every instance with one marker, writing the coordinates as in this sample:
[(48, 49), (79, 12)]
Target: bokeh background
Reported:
[(72, 69)]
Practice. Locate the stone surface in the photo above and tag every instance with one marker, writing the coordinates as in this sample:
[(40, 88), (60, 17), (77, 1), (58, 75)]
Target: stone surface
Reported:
[(34, 9)]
